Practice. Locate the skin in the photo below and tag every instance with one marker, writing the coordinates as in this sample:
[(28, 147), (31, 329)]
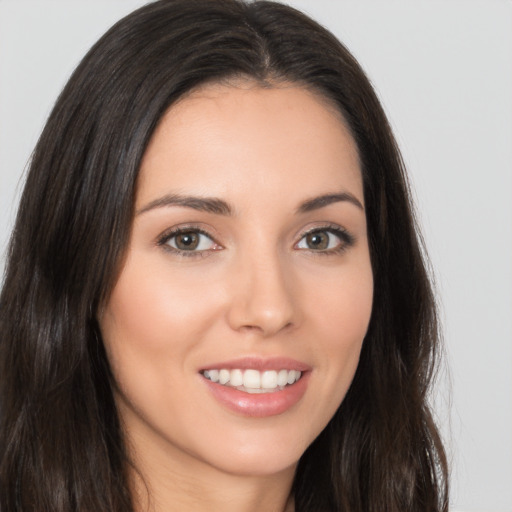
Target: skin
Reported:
[(256, 287)]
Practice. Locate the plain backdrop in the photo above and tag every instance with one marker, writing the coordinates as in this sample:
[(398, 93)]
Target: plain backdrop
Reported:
[(443, 70)]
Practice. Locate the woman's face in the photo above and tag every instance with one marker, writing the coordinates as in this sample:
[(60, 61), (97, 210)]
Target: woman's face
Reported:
[(248, 261)]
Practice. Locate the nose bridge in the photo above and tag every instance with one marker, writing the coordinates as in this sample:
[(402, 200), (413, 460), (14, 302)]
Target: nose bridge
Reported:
[(262, 297)]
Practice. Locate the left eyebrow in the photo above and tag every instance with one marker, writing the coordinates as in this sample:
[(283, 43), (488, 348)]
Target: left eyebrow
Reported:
[(325, 200)]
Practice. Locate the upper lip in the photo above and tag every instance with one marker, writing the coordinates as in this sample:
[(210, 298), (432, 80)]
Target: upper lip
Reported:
[(259, 363)]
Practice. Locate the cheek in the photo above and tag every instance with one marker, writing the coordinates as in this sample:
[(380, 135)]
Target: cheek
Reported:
[(148, 309), (151, 325), (349, 311), (342, 314), (342, 306)]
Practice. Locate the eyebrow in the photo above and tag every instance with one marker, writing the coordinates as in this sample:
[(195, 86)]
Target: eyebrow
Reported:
[(221, 207), (203, 204), (325, 200)]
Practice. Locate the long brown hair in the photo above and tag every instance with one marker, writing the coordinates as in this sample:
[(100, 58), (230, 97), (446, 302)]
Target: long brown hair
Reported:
[(61, 445)]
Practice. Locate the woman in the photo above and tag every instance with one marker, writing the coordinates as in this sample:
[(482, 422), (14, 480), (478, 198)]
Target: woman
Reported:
[(215, 293)]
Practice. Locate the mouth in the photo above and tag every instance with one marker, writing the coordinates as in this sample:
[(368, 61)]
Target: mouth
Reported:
[(257, 387), (253, 381)]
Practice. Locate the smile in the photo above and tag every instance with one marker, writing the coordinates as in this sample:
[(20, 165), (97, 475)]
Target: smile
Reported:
[(257, 386), (253, 381)]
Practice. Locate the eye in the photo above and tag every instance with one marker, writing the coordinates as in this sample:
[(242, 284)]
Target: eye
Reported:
[(330, 240), (188, 240)]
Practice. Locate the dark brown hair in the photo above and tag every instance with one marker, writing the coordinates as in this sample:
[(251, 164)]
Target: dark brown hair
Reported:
[(61, 445)]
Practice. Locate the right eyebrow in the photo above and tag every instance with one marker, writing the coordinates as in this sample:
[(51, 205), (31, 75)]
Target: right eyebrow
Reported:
[(204, 204)]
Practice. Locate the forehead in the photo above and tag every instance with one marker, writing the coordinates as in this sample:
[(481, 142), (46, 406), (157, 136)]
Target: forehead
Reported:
[(222, 136)]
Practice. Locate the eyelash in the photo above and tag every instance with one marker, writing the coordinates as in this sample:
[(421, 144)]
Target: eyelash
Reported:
[(347, 240), (170, 234)]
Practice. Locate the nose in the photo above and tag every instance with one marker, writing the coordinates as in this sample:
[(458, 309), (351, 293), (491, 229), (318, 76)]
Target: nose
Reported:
[(262, 298)]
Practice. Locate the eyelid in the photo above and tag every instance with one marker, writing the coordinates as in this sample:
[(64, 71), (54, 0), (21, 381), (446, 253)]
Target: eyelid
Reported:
[(163, 239), (347, 239)]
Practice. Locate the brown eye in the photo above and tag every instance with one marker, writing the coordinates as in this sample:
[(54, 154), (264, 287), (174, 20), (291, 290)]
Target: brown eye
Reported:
[(187, 241), (318, 240), (327, 240), (190, 241)]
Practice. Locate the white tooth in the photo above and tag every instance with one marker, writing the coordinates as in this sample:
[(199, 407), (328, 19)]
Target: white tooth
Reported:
[(224, 376), (213, 375), (236, 378), (252, 379), (269, 379), (255, 390), (282, 378)]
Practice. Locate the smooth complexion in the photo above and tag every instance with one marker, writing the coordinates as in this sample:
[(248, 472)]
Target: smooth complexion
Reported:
[(248, 249)]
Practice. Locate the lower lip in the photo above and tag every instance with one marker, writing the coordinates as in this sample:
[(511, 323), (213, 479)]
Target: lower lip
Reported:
[(259, 405)]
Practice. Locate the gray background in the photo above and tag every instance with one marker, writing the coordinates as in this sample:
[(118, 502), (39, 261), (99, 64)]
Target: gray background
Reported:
[(443, 71)]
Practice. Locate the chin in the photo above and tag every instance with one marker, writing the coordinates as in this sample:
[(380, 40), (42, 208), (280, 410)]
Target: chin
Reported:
[(260, 464), (258, 456)]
